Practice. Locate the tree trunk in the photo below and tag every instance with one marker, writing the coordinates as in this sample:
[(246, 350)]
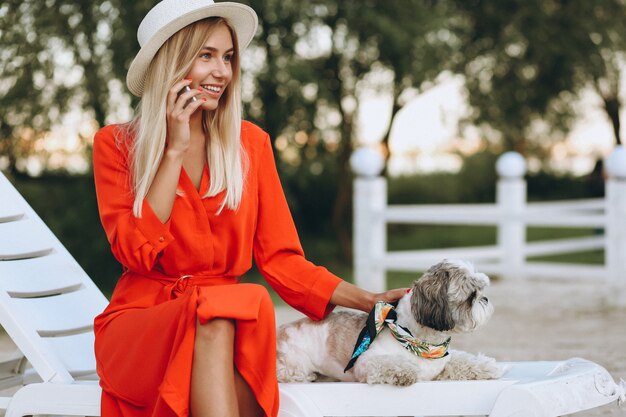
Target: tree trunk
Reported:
[(11, 154), (385, 142), (341, 209), (343, 200), (8, 147), (612, 106)]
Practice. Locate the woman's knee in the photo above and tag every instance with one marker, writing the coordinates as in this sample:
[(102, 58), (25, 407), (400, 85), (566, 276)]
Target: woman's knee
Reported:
[(260, 292), (260, 298), (216, 330)]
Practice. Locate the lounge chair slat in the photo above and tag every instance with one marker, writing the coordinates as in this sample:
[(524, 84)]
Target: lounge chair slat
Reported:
[(7, 216), (45, 275), (24, 238), (60, 314), (11, 205), (76, 353)]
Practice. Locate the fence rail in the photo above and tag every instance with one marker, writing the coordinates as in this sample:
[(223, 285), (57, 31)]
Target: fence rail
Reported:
[(511, 214)]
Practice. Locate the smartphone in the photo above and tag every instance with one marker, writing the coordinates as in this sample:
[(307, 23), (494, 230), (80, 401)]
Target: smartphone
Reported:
[(184, 90)]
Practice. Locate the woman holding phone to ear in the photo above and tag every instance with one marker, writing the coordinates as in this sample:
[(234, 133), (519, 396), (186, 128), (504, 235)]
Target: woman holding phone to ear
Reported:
[(188, 194)]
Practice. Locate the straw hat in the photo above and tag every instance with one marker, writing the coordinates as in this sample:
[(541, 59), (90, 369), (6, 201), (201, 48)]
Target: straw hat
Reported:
[(169, 16)]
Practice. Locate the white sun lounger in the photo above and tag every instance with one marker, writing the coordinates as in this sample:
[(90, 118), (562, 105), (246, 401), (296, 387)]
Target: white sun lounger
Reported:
[(47, 306)]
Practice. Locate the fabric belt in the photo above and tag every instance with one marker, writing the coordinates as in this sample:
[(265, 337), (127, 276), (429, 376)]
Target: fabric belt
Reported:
[(175, 286)]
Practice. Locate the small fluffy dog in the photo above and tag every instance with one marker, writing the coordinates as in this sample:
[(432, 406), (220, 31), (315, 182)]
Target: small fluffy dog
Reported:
[(447, 299)]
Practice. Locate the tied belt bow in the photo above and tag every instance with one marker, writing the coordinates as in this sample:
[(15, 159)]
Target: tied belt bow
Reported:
[(176, 286)]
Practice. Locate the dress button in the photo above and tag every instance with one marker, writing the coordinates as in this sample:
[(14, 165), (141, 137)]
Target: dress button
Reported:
[(161, 239)]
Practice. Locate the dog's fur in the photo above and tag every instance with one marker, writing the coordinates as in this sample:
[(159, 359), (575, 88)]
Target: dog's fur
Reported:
[(447, 299)]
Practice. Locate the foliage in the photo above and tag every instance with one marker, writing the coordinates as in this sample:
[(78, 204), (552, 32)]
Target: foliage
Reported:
[(311, 64), (297, 84), (319, 57), (55, 57), (476, 183), (525, 61)]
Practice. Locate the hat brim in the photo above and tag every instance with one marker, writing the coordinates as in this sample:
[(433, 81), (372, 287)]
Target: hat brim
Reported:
[(242, 19)]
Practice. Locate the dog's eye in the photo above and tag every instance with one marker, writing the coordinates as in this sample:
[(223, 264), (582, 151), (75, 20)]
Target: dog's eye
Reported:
[(472, 297)]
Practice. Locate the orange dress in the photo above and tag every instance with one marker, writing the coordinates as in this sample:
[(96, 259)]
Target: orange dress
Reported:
[(189, 269)]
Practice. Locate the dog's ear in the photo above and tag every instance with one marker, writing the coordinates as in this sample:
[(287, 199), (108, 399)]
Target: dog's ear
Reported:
[(479, 280), (429, 302)]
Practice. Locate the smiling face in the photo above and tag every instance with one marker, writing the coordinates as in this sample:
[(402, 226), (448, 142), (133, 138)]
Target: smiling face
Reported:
[(212, 69)]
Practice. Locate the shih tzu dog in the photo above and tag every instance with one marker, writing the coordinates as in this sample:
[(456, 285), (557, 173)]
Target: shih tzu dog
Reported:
[(396, 345)]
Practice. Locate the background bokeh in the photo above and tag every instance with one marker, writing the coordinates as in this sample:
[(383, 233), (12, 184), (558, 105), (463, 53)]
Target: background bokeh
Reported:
[(323, 77)]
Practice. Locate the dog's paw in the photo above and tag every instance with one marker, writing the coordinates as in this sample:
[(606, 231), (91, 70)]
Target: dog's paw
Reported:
[(398, 377), (387, 370), (465, 366), (289, 372), (294, 375), (487, 368)]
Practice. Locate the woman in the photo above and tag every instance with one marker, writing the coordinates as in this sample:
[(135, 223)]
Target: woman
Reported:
[(187, 194)]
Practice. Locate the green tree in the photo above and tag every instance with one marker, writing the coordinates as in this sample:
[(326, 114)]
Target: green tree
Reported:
[(525, 61), (315, 59), (319, 55), (55, 57), (604, 49)]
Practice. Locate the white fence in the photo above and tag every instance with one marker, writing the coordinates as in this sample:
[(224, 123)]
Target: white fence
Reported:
[(511, 214)]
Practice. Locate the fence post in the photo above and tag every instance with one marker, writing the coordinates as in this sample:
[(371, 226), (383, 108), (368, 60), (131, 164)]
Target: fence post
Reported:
[(615, 230), (511, 200), (370, 229)]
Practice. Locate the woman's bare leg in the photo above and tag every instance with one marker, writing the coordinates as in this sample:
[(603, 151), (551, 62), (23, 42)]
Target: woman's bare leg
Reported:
[(213, 371), (248, 405)]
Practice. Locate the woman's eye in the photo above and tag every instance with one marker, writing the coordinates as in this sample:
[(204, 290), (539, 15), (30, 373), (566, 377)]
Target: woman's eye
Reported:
[(207, 56), (228, 58)]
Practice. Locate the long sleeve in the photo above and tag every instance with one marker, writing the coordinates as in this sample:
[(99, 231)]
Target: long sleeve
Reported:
[(277, 249), (135, 242)]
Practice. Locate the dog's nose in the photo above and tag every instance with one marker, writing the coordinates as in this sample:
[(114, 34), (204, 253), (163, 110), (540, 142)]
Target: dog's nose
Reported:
[(484, 300)]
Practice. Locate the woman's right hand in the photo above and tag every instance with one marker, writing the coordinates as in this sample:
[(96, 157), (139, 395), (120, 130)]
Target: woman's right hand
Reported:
[(178, 132)]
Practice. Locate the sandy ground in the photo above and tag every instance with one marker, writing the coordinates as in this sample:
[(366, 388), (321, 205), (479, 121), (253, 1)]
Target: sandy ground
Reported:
[(547, 320)]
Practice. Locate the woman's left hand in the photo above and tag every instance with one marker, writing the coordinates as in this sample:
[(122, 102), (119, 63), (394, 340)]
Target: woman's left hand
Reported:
[(391, 295), (351, 296)]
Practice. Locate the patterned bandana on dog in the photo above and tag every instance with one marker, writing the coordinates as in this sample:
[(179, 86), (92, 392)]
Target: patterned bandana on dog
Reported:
[(384, 314)]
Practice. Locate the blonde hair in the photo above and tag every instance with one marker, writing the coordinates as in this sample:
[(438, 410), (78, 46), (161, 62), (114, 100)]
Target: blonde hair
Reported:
[(147, 131)]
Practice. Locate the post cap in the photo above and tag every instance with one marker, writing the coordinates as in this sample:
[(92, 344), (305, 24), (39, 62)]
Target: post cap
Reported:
[(367, 162), (511, 165), (615, 164)]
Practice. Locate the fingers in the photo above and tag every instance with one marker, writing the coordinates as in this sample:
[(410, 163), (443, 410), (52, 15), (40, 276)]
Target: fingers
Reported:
[(180, 107), (400, 292), (172, 95), (179, 100), (190, 106), (393, 295)]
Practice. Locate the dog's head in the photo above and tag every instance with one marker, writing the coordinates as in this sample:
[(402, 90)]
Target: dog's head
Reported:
[(449, 296)]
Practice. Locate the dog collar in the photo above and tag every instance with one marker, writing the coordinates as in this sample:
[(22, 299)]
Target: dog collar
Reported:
[(384, 314)]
